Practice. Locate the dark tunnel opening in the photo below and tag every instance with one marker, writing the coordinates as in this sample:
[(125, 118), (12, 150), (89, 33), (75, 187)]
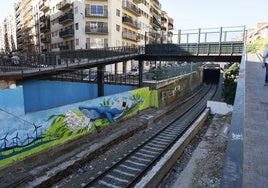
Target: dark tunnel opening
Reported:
[(211, 75)]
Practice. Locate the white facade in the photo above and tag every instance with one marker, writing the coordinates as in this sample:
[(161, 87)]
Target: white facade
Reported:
[(55, 25), (8, 42), (79, 21), (115, 20), (260, 31), (2, 44)]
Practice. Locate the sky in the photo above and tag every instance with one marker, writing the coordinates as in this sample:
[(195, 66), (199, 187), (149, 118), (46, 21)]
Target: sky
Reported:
[(194, 14)]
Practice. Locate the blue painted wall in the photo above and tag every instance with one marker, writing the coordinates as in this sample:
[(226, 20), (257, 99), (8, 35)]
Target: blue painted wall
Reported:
[(11, 100), (45, 94)]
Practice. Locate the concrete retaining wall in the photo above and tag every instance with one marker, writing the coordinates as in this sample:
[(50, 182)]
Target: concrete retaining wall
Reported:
[(172, 89)]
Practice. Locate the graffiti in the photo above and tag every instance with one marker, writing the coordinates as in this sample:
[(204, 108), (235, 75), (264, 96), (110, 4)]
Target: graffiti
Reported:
[(57, 125), (20, 138)]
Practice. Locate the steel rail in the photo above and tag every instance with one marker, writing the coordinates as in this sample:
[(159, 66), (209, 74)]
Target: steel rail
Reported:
[(130, 169)]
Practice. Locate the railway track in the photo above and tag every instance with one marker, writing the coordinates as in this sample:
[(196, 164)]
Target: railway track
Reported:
[(127, 171), (133, 163)]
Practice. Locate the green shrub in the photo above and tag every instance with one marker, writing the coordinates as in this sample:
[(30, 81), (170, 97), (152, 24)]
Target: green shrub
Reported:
[(230, 82), (257, 46)]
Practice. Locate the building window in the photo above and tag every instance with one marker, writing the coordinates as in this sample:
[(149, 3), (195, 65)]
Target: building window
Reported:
[(97, 10), (118, 28), (118, 43), (97, 43), (76, 10), (76, 26), (118, 12), (76, 42)]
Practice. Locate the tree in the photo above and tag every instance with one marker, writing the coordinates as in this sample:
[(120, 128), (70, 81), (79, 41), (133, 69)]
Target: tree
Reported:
[(257, 46)]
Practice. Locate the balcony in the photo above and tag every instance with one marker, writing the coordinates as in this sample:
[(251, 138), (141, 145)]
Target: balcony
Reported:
[(155, 22), (28, 17), (155, 13), (44, 28), (27, 2), (138, 1), (156, 3), (43, 6), (163, 28), (67, 33), (97, 30), (65, 4), (131, 7), (170, 26), (45, 40), (66, 18), (26, 35), (163, 20), (44, 18), (64, 47), (17, 6), (130, 36), (20, 40), (131, 22), (31, 24), (17, 14), (88, 13)]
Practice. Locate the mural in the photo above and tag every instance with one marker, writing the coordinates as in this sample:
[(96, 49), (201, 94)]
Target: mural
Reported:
[(25, 134)]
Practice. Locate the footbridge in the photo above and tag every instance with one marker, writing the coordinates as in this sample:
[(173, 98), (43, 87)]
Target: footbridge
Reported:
[(224, 44)]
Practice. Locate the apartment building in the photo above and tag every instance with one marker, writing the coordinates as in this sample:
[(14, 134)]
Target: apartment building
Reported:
[(2, 44), (260, 31), (54, 25), (26, 31), (8, 34)]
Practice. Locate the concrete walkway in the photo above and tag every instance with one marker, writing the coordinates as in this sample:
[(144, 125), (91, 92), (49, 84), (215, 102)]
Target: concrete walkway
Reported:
[(255, 158)]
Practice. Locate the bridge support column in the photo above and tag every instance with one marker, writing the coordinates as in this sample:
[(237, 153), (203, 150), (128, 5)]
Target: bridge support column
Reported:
[(191, 76), (100, 80), (140, 72)]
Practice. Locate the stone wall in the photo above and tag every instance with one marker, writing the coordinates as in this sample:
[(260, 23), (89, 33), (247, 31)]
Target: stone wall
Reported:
[(172, 89)]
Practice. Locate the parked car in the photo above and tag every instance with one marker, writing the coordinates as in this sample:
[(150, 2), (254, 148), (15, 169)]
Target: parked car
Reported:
[(91, 77), (133, 72)]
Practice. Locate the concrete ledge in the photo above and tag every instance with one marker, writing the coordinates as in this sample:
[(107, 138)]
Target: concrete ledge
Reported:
[(233, 168), (48, 166), (158, 172)]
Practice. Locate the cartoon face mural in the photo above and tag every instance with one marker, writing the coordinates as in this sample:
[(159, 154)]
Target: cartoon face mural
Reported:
[(57, 125)]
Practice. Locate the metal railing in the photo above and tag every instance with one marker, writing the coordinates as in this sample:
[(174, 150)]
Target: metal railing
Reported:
[(166, 72), (201, 42), (227, 48), (29, 63), (206, 41), (201, 35)]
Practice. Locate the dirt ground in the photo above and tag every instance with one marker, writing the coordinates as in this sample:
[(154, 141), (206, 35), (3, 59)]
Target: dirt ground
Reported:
[(201, 164)]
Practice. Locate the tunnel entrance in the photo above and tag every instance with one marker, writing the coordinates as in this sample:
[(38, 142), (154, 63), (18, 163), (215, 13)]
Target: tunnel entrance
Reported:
[(211, 74)]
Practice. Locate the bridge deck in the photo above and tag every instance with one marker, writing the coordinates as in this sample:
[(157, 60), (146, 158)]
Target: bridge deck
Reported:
[(52, 63)]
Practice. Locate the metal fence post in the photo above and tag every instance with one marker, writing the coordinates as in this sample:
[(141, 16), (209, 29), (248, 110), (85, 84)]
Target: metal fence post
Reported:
[(220, 39)]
